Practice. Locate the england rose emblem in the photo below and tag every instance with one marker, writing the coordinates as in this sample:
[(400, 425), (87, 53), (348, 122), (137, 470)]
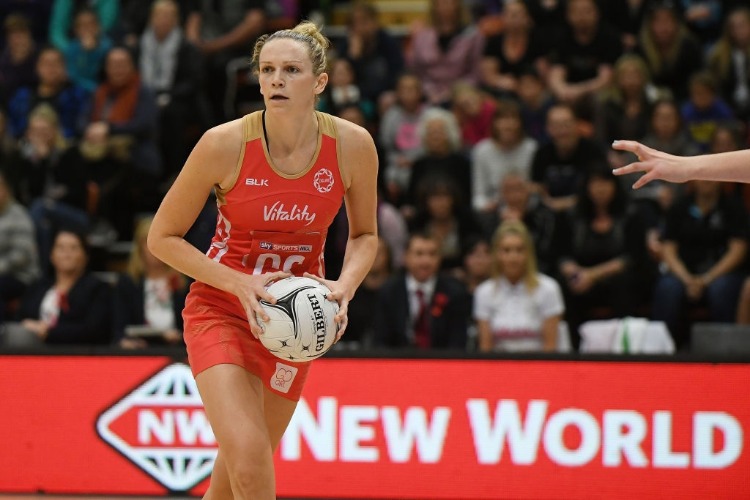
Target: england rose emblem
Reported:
[(323, 180)]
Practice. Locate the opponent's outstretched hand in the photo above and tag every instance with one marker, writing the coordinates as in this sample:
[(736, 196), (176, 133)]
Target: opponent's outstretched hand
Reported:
[(340, 295), (654, 164), (253, 289)]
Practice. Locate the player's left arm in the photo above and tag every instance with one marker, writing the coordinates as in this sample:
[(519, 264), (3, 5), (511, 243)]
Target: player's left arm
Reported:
[(360, 171)]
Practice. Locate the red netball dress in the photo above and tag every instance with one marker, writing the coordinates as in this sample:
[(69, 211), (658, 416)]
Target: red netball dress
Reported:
[(268, 221)]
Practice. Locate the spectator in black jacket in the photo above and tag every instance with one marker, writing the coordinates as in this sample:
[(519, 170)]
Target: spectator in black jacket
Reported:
[(172, 67), (377, 58), (420, 307), (71, 307)]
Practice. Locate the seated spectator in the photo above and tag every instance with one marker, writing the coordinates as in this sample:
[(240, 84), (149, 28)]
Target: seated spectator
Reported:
[(508, 53), (53, 88), (71, 307), (624, 108), (343, 90), (224, 31), (18, 58), (173, 69), (705, 110), (583, 58), (474, 111), (447, 51), (376, 56), (19, 262), (477, 264), (84, 56), (508, 149), (103, 166), (56, 197), (654, 200), (442, 213), (535, 101), (64, 15), (360, 328), (560, 167), (519, 203), (150, 294), (136, 14), (421, 307), (705, 243), (602, 261), (671, 53), (399, 136), (518, 308), (729, 61), (37, 11), (440, 140), (124, 109)]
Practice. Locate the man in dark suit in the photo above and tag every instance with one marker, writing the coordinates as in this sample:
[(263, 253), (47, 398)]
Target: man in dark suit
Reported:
[(419, 307)]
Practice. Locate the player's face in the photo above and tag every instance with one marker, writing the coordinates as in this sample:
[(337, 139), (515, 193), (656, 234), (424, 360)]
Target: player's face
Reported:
[(511, 255), (285, 74), (422, 258)]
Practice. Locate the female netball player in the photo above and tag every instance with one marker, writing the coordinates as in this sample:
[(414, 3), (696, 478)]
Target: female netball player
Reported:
[(280, 176), (733, 166)]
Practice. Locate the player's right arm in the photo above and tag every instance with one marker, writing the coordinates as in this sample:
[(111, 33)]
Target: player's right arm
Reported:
[(212, 162)]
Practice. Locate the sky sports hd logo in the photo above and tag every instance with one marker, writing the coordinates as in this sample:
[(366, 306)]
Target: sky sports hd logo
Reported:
[(162, 428)]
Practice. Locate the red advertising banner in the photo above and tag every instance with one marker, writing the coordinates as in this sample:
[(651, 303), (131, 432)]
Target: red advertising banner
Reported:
[(391, 429)]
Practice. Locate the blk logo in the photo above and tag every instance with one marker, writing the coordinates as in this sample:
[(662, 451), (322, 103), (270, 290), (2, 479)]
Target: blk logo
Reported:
[(256, 182), (162, 428)]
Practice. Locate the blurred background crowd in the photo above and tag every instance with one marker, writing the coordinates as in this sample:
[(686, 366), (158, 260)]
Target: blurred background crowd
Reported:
[(501, 224)]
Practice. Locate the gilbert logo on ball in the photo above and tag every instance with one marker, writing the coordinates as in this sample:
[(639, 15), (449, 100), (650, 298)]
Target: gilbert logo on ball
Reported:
[(162, 428)]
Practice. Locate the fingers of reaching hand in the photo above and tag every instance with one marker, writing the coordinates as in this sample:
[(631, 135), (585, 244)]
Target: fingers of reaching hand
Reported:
[(638, 166), (644, 179)]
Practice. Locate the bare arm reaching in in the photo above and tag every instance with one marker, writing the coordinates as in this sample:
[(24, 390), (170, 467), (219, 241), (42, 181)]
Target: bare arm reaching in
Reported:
[(733, 166)]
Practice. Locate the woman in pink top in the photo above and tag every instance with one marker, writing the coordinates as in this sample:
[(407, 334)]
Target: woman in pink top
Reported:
[(447, 51)]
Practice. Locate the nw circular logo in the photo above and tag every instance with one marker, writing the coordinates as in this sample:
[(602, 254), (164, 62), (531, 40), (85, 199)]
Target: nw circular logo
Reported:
[(162, 428), (323, 180)]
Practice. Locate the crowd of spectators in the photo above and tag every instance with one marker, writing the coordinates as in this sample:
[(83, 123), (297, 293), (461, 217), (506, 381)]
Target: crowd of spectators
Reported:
[(500, 220)]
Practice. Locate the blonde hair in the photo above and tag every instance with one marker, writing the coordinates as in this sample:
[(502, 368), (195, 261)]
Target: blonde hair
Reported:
[(136, 269), (516, 228), (306, 33), (613, 92), (648, 44), (47, 113), (720, 57)]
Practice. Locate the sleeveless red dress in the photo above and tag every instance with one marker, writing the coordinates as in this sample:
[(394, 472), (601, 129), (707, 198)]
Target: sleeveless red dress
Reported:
[(267, 221)]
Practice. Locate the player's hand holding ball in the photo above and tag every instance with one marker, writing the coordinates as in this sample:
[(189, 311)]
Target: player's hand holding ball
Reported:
[(342, 296), (251, 289)]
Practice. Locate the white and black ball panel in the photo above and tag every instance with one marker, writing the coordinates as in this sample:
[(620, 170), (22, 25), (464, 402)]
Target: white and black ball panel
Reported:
[(301, 324)]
